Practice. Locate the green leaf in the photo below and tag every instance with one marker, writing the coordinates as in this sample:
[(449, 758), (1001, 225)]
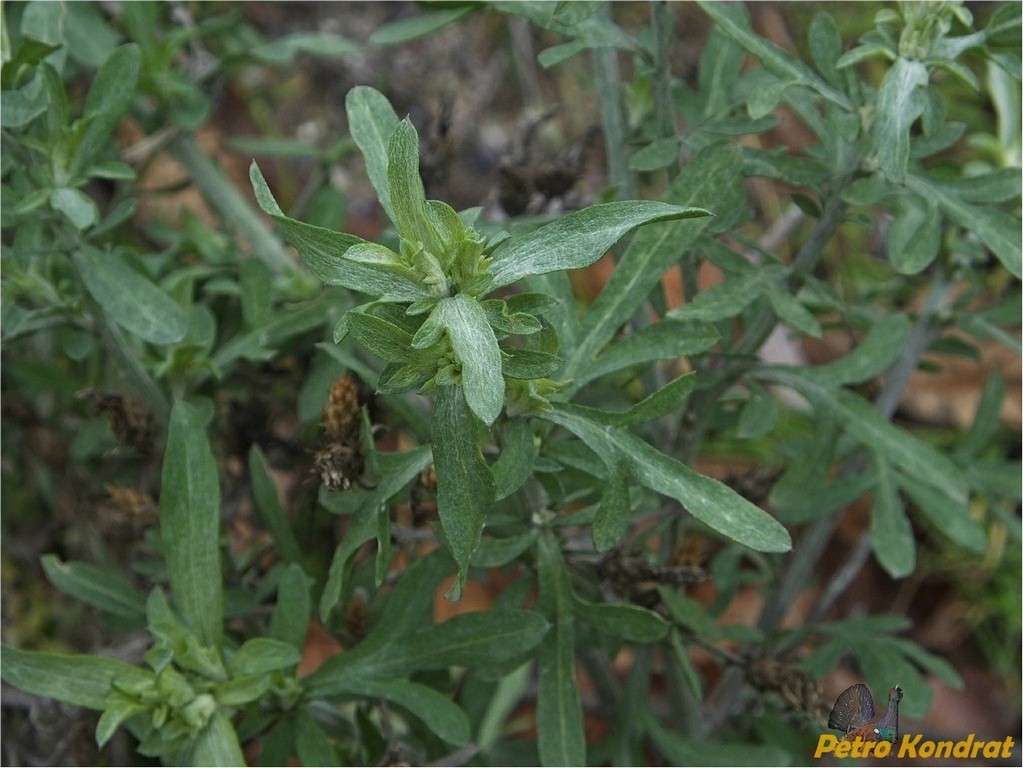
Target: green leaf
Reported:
[(720, 66), (312, 744), (791, 310), (382, 338), (324, 45), (656, 155), (496, 553), (712, 178), (629, 622), (999, 231), (734, 22), (406, 186), (862, 422), (578, 239), (372, 120), (515, 464), (478, 639), (290, 619), (825, 46), (323, 251), (264, 493), (527, 364), (415, 27), (759, 415), (914, 235), (724, 300), (891, 534), (559, 714), (99, 587), (899, 103), (110, 95), (708, 500), (190, 525), (614, 512), (360, 530), (999, 186), (477, 351), (76, 205), (668, 399), (465, 486), (83, 681), (259, 655), (217, 744), (986, 419), (949, 518), (437, 712), (875, 353), (130, 299), (667, 339)]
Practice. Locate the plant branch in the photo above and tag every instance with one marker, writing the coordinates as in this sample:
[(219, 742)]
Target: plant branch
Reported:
[(609, 94), (225, 198)]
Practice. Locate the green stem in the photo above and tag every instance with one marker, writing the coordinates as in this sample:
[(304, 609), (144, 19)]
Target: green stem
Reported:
[(225, 198), (663, 24), (612, 113)]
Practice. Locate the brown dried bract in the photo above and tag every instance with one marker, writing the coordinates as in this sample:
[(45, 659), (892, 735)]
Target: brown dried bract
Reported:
[(635, 579), (132, 421)]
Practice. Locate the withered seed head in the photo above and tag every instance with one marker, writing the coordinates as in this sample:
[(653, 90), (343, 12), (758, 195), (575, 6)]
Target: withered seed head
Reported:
[(342, 416), (340, 465), (132, 421)]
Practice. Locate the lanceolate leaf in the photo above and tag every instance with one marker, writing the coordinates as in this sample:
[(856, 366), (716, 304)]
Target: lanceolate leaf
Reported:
[(104, 589), (899, 103), (711, 178), (559, 714), (83, 681), (1000, 232), (912, 455), (476, 347), (269, 506), (131, 300), (612, 520), (734, 22), (217, 744), (891, 534), (465, 486), (372, 120), (190, 524), (323, 251), (708, 500), (438, 713), (407, 194), (579, 238), (662, 340), (629, 622)]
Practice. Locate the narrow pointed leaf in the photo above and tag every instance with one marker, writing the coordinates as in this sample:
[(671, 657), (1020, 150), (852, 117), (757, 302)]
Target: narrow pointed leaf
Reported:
[(612, 519), (130, 299), (84, 681), (217, 744), (476, 347), (190, 524), (667, 339), (891, 534), (465, 486), (372, 120), (579, 238), (629, 622), (438, 713), (559, 714), (407, 194), (711, 502), (264, 493), (99, 587), (899, 103), (290, 619)]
